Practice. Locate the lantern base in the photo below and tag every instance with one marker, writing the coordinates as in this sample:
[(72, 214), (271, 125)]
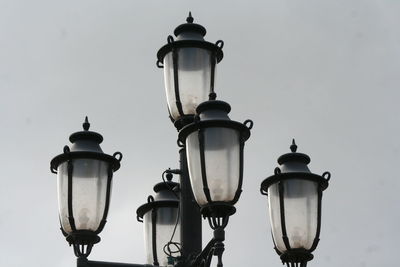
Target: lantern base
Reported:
[(218, 209), (183, 121), (82, 241), (296, 257), (217, 214)]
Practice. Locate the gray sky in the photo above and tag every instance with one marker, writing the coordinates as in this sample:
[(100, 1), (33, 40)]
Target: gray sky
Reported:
[(324, 72)]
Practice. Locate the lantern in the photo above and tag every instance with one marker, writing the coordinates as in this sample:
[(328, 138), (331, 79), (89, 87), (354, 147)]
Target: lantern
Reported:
[(294, 197), (84, 176), (160, 216), (189, 64), (214, 146)]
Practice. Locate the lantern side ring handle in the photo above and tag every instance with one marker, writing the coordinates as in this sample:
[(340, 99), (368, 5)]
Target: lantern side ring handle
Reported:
[(53, 170), (66, 149), (264, 193), (180, 143), (170, 39), (159, 64), (118, 156), (326, 176), (249, 124), (277, 171), (220, 44)]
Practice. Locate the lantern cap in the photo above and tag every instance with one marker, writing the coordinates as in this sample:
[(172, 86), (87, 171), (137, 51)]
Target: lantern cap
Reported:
[(189, 26), (86, 134), (213, 105), (294, 156), (167, 185)]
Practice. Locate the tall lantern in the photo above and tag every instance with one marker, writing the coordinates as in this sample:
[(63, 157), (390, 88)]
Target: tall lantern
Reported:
[(160, 216), (294, 197), (214, 146), (84, 176), (189, 64)]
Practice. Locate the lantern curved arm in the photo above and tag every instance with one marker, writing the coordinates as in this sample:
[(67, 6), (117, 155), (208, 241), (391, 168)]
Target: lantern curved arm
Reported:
[(205, 257)]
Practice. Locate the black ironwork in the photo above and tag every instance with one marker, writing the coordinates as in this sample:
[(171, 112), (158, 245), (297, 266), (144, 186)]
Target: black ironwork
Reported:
[(295, 257), (83, 240)]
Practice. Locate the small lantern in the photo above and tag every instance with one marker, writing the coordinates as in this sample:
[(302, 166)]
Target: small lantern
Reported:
[(84, 176), (214, 146), (189, 64), (294, 196), (161, 223)]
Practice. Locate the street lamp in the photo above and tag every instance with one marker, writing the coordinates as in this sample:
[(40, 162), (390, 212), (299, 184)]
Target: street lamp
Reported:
[(84, 177), (214, 146), (189, 64), (161, 222), (210, 174), (294, 197)]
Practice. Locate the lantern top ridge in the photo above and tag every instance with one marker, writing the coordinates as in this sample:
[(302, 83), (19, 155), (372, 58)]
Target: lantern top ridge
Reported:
[(86, 134), (294, 156), (213, 104), (189, 26)]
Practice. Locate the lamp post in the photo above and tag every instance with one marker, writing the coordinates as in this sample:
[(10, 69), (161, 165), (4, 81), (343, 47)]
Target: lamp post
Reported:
[(210, 174)]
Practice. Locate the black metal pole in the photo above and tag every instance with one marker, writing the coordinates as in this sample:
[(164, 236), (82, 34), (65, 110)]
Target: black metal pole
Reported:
[(190, 214)]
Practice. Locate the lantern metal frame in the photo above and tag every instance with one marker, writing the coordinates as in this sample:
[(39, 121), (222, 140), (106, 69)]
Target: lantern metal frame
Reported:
[(216, 55), (83, 240), (153, 205), (295, 257)]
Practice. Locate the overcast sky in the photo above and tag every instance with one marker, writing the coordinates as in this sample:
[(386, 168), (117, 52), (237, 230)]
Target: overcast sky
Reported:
[(324, 72)]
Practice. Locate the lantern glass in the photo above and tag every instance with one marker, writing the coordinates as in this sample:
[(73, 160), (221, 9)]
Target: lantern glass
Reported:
[(166, 219), (194, 79), (222, 163), (300, 198), (89, 189)]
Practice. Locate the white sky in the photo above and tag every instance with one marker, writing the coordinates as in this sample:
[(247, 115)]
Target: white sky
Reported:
[(324, 72)]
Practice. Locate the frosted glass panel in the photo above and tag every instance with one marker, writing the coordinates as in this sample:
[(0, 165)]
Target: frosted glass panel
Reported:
[(194, 165), (222, 162), (89, 187), (148, 242), (275, 216), (194, 78), (301, 212), (62, 187)]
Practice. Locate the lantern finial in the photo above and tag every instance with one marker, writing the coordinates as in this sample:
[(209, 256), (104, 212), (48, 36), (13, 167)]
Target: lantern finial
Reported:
[(86, 124), (293, 147), (189, 19)]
